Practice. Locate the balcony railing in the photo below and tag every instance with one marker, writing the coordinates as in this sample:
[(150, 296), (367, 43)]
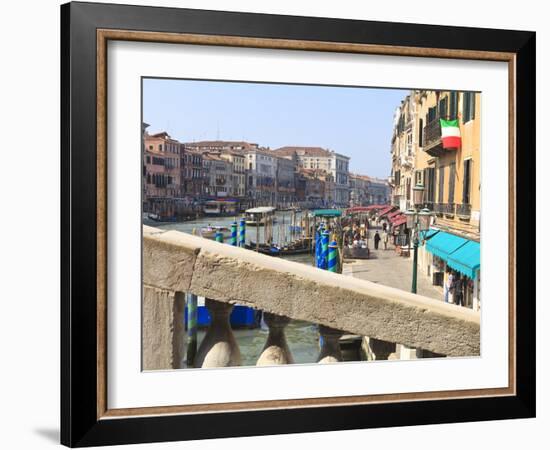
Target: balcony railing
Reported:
[(176, 264), (447, 209), (432, 138), (464, 210)]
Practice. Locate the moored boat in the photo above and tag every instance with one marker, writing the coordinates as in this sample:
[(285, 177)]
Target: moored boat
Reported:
[(210, 231)]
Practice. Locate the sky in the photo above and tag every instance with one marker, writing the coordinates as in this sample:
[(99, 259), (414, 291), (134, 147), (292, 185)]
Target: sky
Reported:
[(356, 122)]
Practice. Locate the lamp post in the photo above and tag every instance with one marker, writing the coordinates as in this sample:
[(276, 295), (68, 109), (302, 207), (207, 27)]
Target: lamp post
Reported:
[(417, 221)]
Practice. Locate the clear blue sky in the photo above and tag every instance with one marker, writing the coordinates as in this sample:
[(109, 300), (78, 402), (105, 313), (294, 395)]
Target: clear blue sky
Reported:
[(356, 122)]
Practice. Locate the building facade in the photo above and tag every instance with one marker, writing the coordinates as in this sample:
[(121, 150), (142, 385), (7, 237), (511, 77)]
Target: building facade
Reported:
[(449, 178), (218, 173), (378, 192), (238, 177), (317, 158), (286, 189), (162, 176), (261, 166), (403, 150), (194, 178)]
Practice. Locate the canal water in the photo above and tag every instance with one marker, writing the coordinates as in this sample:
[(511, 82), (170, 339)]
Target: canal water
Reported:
[(302, 337)]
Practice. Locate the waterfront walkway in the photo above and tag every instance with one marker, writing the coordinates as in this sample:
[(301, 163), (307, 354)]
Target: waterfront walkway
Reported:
[(389, 269)]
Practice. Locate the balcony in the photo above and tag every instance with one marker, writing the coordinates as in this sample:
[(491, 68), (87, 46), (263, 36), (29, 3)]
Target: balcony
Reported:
[(432, 138), (447, 209), (464, 211)]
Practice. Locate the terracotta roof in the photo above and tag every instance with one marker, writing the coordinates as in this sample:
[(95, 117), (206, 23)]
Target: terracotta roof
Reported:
[(199, 144), (303, 151)]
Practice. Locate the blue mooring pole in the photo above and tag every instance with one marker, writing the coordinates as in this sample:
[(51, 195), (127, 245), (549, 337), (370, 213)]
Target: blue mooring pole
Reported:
[(233, 240), (242, 232), (333, 257), (324, 245), (219, 236)]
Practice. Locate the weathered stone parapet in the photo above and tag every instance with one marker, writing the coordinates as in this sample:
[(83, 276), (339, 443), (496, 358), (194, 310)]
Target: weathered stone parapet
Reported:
[(163, 330), (179, 261)]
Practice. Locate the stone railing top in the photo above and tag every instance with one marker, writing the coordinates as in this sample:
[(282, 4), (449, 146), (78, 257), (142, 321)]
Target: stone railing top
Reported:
[(182, 262)]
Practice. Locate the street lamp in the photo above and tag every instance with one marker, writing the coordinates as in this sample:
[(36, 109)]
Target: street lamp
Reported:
[(417, 221)]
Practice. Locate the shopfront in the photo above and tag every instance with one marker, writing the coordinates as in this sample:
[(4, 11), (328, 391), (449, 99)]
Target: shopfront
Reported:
[(455, 265)]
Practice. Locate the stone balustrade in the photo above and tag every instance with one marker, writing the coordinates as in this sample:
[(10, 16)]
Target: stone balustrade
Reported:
[(175, 263)]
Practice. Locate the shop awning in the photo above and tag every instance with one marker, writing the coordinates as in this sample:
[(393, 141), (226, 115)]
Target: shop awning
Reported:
[(399, 220), (386, 210), (327, 213), (443, 244), (466, 259)]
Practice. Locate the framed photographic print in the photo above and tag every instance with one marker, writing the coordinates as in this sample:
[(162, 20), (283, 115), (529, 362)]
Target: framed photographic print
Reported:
[(277, 224)]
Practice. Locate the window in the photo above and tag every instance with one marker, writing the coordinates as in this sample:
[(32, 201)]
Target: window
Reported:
[(443, 108), (453, 108), (429, 178), (432, 113), (441, 184), (468, 106), (418, 177), (452, 175), (420, 132), (397, 180), (160, 147), (466, 185)]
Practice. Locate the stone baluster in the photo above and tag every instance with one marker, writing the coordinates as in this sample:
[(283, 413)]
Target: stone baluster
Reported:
[(219, 347), (378, 349), (330, 347), (276, 349)]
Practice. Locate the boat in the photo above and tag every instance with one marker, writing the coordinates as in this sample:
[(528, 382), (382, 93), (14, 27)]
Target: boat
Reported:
[(210, 231), (266, 249), (298, 247), (260, 216), (220, 208)]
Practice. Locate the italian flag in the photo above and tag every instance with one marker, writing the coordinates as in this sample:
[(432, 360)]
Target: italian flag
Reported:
[(450, 133)]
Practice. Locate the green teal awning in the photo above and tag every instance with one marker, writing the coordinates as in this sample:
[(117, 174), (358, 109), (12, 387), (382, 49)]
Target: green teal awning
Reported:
[(466, 259), (327, 213), (443, 244)]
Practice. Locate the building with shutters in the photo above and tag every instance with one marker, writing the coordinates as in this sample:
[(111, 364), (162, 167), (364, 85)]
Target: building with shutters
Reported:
[(450, 179)]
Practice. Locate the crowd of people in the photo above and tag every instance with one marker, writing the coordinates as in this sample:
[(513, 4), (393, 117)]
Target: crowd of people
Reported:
[(358, 232)]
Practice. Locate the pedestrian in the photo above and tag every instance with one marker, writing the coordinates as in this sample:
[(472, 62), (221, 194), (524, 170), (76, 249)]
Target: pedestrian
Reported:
[(376, 240), (384, 226), (448, 288), (385, 239)]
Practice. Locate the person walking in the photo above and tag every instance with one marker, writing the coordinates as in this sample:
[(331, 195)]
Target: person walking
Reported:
[(376, 240), (385, 239), (447, 289)]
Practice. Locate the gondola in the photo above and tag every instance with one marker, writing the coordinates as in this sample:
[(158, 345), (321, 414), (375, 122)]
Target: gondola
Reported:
[(266, 249)]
